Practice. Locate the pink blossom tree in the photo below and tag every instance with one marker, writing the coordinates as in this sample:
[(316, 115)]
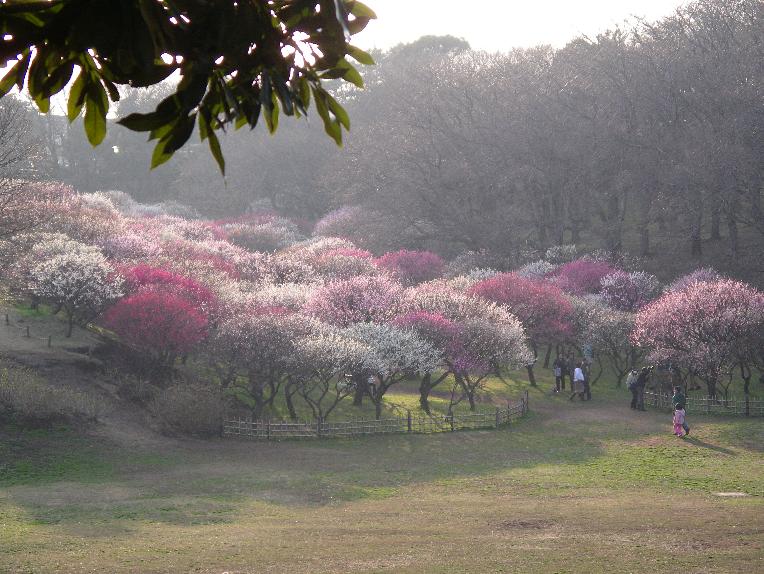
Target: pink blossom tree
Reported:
[(707, 328), (629, 291), (702, 275), (356, 300), (412, 267), (542, 308)]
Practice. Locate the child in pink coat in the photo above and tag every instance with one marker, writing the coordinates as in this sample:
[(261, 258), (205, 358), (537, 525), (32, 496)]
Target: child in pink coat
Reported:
[(679, 421)]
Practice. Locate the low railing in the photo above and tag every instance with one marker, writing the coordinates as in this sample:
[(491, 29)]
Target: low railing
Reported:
[(746, 406), (420, 424)]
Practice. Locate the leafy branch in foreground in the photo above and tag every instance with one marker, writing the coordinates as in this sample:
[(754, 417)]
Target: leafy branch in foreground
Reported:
[(238, 61)]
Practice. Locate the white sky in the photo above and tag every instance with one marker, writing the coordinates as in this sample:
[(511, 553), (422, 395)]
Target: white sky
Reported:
[(500, 25)]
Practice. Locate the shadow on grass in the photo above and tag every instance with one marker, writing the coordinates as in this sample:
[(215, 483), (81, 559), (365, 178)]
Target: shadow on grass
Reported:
[(701, 443)]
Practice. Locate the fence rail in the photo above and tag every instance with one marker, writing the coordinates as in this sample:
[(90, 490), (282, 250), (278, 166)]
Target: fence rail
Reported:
[(281, 429), (706, 405)]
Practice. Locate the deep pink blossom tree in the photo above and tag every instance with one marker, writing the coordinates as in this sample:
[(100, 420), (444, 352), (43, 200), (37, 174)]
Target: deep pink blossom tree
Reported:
[(412, 267), (581, 276), (707, 328), (541, 307), (160, 324)]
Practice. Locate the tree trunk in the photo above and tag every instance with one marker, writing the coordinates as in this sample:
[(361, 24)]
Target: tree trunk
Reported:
[(69, 324), (531, 376), (360, 388), (424, 393), (716, 222), (547, 356), (732, 231), (289, 403), (644, 241)]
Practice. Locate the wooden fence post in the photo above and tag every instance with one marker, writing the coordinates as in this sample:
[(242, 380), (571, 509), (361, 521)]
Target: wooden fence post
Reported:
[(408, 420), (48, 340), (318, 427), (268, 429), (498, 419), (7, 320), (747, 406), (27, 335)]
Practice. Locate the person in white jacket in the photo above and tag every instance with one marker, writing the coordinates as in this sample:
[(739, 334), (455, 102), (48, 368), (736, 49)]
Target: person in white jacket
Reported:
[(578, 382)]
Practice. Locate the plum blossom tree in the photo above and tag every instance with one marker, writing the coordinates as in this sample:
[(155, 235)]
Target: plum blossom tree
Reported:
[(581, 276), (323, 357), (542, 308), (76, 278), (608, 332), (258, 346), (707, 328), (356, 300), (443, 334), (391, 355), (629, 291), (536, 269), (412, 267), (702, 275), (161, 324)]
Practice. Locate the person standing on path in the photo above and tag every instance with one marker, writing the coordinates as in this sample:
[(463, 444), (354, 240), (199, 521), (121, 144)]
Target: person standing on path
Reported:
[(559, 381), (641, 385), (578, 382), (631, 384), (679, 401)]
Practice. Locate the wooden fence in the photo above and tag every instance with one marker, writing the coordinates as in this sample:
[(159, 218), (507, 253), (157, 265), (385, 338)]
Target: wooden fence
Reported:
[(282, 429), (706, 405)]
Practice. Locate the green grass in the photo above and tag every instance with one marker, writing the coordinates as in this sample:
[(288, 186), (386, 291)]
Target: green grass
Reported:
[(573, 487)]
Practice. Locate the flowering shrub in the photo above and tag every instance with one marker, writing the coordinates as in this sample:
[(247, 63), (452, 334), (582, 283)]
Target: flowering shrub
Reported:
[(357, 300), (80, 281), (412, 267), (337, 264), (581, 276), (26, 205), (702, 275), (268, 236), (708, 328), (161, 324), (629, 291)]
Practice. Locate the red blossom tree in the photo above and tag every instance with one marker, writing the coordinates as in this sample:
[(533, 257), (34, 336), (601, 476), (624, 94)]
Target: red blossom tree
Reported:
[(161, 324)]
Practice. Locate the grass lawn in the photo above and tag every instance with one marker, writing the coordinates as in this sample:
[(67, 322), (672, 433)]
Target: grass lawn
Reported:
[(574, 487)]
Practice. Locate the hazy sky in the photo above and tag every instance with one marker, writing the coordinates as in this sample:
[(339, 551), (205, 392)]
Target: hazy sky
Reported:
[(499, 25)]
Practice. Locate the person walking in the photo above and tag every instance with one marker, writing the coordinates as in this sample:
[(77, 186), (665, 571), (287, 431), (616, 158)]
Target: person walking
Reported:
[(679, 401), (679, 421), (631, 384), (558, 380), (585, 368), (578, 382)]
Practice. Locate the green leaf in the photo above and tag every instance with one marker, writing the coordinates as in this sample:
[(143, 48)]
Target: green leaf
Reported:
[(331, 127), (96, 107), (360, 10), (145, 122), (217, 153), (160, 154), (360, 56), (76, 96), (338, 111)]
